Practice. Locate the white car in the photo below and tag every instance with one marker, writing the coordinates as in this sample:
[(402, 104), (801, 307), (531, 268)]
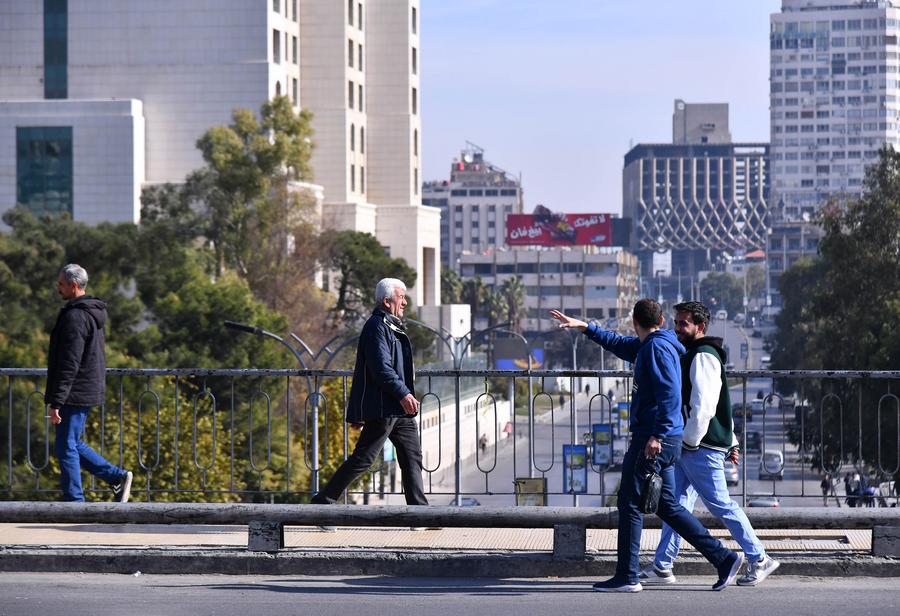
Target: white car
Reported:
[(722, 315), (771, 464)]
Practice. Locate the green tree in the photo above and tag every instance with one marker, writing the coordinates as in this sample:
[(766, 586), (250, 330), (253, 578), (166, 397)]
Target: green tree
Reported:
[(359, 261), (451, 286), (245, 162), (514, 293), (474, 293), (721, 290), (756, 281), (839, 313)]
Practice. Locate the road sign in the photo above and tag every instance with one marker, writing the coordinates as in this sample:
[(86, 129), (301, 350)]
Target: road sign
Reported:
[(602, 443), (575, 469), (745, 350)]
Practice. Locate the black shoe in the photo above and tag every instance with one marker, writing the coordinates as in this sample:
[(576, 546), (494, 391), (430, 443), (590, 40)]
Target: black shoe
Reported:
[(728, 571), (122, 490), (617, 585)]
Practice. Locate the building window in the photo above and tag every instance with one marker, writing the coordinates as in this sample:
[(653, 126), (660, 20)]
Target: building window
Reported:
[(415, 101), (360, 56), (415, 26), (276, 6), (362, 139), (349, 12), (44, 169), (362, 179), (352, 178), (56, 48), (350, 53), (415, 181), (360, 97), (294, 9), (353, 137), (276, 47), (294, 49), (415, 62), (416, 142), (359, 16), (295, 91), (277, 88), (350, 93)]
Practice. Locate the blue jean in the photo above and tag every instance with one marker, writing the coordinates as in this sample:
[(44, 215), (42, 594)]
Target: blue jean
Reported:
[(635, 467), (702, 473), (73, 453)]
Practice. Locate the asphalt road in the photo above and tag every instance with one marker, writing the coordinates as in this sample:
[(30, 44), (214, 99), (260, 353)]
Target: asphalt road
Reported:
[(98, 595)]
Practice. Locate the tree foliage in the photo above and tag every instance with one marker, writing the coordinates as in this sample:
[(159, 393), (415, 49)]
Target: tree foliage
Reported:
[(839, 313)]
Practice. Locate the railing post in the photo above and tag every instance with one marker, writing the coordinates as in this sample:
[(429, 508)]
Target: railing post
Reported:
[(569, 542)]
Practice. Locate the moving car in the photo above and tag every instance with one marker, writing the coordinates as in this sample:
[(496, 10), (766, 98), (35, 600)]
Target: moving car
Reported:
[(763, 501), (464, 501), (771, 464), (756, 334), (754, 442), (722, 315)]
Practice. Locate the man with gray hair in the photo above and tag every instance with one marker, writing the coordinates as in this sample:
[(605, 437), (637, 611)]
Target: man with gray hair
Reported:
[(382, 398), (76, 381)]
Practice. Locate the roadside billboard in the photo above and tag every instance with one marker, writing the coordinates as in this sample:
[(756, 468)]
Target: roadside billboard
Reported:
[(552, 229)]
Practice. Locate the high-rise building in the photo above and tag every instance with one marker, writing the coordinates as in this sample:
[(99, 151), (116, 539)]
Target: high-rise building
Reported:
[(98, 98), (474, 205), (696, 198), (835, 100), (834, 97)]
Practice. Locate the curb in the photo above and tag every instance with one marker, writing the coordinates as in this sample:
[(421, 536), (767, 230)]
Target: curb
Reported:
[(397, 563)]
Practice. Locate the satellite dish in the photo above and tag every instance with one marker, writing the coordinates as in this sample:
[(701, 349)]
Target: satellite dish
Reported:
[(468, 157)]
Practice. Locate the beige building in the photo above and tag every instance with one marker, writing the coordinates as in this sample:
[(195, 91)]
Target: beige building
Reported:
[(593, 283), (99, 98), (360, 78)]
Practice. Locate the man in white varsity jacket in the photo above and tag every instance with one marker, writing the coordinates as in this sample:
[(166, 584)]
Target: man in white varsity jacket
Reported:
[(709, 441)]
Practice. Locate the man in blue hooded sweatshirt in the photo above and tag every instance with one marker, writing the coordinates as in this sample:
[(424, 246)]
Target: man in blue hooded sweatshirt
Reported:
[(656, 429)]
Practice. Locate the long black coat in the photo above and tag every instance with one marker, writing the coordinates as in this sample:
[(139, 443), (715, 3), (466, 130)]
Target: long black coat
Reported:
[(76, 362), (384, 371)]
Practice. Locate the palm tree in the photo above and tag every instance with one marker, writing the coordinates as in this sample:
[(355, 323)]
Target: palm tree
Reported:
[(473, 293), (514, 293), (451, 286)]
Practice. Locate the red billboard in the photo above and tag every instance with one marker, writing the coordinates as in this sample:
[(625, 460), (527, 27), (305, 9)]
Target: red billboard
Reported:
[(550, 229)]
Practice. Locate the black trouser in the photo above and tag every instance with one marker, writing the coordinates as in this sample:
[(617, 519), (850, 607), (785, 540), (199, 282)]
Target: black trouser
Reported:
[(405, 436)]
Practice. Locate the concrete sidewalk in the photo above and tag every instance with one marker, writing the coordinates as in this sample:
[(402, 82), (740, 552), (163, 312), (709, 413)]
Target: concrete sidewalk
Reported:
[(468, 552)]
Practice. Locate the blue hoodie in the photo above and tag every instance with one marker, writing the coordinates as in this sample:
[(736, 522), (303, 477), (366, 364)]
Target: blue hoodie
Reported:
[(656, 393)]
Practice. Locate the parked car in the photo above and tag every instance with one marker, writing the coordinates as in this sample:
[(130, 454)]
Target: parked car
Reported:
[(756, 334), (739, 409), (754, 442), (722, 315), (732, 474), (738, 422), (757, 406), (764, 362), (763, 501), (464, 501), (771, 465)]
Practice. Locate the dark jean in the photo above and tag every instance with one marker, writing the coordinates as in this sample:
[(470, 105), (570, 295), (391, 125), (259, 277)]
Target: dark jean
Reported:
[(73, 454), (404, 434), (635, 467)]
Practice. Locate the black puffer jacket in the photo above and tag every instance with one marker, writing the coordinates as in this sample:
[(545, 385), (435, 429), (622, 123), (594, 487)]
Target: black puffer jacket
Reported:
[(76, 362)]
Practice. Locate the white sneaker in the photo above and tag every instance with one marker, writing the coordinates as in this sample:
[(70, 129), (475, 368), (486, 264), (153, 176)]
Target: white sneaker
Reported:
[(651, 576), (758, 571)]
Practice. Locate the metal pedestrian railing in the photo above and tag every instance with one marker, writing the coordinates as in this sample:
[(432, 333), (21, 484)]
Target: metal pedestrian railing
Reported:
[(276, 435)]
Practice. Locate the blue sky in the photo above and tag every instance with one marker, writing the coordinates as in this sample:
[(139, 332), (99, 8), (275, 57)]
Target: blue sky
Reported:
[(558, 91)]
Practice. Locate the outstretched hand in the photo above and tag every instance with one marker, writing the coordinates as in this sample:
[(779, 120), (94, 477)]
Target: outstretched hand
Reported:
[(566, 322)]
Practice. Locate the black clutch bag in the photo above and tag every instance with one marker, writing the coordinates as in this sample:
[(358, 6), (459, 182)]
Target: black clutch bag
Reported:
[(651, 488)]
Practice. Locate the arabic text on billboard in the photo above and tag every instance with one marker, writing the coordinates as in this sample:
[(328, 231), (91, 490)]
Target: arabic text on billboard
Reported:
[(558, 230)]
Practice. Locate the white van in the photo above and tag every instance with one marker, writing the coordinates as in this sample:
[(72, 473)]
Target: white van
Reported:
[(771, 465), (722, 315)]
